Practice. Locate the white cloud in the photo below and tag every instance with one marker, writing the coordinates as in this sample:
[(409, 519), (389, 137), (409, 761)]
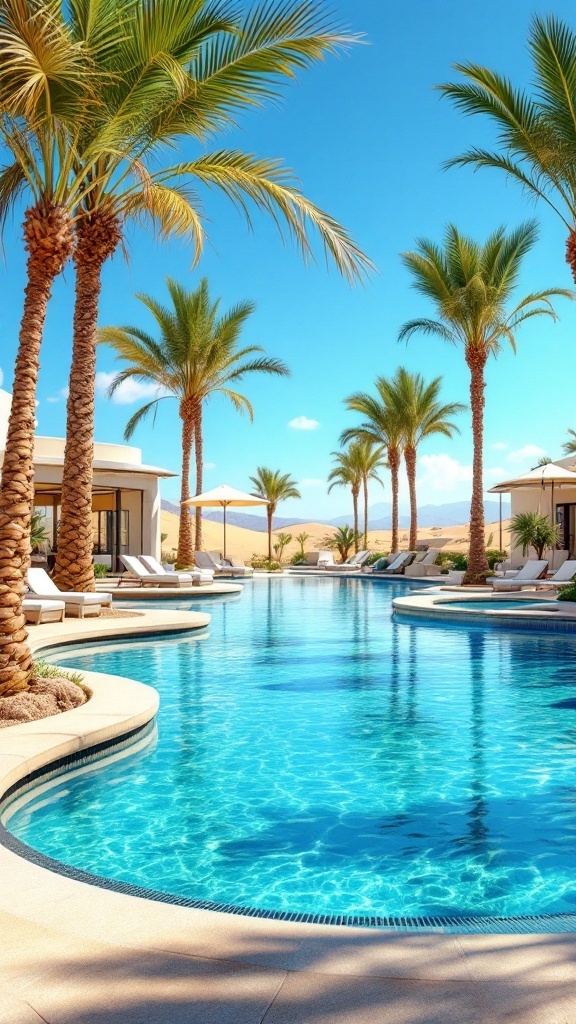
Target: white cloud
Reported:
[(443, 473), (311, 481), (499, 446), (528, 453), (209, 465), (62, 394), (303, 423), (129, 391)]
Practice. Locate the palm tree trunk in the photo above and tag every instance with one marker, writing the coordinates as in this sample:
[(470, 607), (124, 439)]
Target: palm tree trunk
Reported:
[(355, 506), (270, 517), (477, 562), (394, 463), (185, 553), (48, 238), (410, 459), (97, 237), (365, 482), (199, 442)]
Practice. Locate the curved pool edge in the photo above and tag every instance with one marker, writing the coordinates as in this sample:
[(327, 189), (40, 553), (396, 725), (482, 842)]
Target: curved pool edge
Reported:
[(436, 604)]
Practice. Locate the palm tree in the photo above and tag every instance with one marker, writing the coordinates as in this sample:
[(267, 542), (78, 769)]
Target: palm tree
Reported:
[(382, 426), (569, 446), (420, 413), (471, 286), (273, 486), (347, 472), (532, 529), (537, 133), (372, 458), (301, 539), (163, 77), (195, 356), (343, 539)]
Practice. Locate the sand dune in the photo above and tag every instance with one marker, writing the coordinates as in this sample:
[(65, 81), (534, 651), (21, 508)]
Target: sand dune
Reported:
[(245, 543)]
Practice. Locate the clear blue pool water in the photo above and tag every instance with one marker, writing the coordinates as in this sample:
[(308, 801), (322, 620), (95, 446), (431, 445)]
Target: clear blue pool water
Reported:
[(486, 603), (312, 755)]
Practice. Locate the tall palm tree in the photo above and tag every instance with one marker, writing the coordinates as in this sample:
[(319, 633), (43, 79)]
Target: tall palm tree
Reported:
[(182, 69), (372, 458), (536, 144), (382, 426), (471, 287), (421, 415), (273, 486), (196, 356), (347, 472)]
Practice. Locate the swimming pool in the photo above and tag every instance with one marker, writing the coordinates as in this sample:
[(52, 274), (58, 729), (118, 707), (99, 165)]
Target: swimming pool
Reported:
[(314, 756)]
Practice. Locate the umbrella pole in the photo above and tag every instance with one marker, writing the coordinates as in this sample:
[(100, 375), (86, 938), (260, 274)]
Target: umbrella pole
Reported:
[(224, 517), (500, 496), (552, 520)]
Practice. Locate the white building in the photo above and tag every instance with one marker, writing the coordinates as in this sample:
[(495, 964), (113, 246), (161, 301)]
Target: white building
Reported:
[(126, 493)]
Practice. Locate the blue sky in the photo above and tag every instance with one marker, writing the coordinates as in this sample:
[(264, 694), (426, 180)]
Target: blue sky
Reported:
[(366, 135)]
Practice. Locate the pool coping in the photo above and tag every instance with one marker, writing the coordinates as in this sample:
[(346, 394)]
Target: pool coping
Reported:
[(436, 604)]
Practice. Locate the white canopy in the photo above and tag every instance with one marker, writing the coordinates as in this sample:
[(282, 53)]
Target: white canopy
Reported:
[(223, 496), (541, 476)]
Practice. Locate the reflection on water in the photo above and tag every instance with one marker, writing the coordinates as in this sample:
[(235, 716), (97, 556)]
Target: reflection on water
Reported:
[(315, 755)]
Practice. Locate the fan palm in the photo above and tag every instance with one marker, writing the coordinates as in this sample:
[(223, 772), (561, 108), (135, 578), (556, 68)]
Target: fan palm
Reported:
[(421, 415), (195, 356), (273, 486), (536, 144), (180, 69), (471, 287), (569, 446), (382, 427)]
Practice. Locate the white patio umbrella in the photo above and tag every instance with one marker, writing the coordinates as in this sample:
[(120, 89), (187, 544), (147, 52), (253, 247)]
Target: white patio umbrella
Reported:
[(550, 475), (222, 497)]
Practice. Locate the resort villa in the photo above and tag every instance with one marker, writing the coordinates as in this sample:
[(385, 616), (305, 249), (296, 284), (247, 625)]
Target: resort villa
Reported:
[(126, 494)]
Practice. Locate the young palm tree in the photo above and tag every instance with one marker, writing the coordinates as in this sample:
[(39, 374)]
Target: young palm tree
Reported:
[(569, 446), (195, 356), (382, 426), (421, 415), (372, 458), (343, 539), (471, 286), (347, 472), (274, 486), (182, 69), (536, 134)]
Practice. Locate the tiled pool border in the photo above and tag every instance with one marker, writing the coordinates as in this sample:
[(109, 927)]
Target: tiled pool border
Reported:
[(529, 924)]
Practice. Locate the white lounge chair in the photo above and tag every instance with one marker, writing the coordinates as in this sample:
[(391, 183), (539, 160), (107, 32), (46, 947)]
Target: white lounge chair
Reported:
[(145, 578), (530, 572), (398, 565), (204, 560), (230, 566), (200, 577), (354, 563), (425, 566), (76, 603), (563, 577), (37, 610), (325, 560)]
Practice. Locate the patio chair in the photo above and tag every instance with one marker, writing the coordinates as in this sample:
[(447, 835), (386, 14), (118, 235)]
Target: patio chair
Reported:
[(325, 560), (145, 578), (200, 577), (75, 603), (425, 566), (563, 577), (398, 565), (529, 573), (37, 610), (213, 560), (354, 563)]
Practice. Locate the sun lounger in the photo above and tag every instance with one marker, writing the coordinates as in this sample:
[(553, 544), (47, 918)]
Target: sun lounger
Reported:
[(145, 578), (200, 577), (230, 564), (529, 573), (37, 610), (325, 560), (76, 603), (425, 566), (563, 577), (398, 565), (211, 560), (354, 563)]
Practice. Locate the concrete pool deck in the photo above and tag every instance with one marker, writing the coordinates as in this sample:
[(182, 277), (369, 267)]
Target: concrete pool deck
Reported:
[(74, 953)]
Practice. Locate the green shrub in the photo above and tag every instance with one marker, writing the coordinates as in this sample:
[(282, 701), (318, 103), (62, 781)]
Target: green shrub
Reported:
[(452, 560), (262, 562), (100, 570), (494, 555), (298, 558), (169, 557), (567, 593), (44, 671), (374, 556)]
